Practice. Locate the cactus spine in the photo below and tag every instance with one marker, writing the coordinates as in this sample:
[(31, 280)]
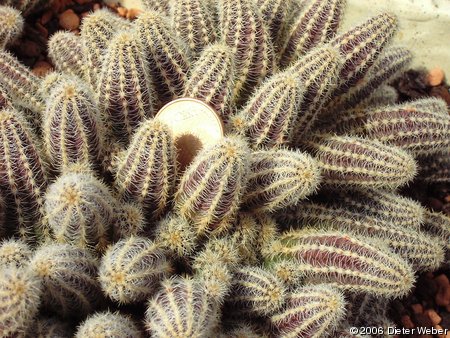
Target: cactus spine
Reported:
[(159, 6), (210, 190), (275, 14), (345, 261), (244, 31), (146, 171), (80, 210), (66, 51), (211, 79), (73, 131), (20, 292), (22, 174), (268, 117), (69, 277), (131, 269), (11, 25), (193, 23), (181, 309), (107, 324), (359, 162), (280, 178), (316, 25), (310, 311), (166, 55), (125, 85)]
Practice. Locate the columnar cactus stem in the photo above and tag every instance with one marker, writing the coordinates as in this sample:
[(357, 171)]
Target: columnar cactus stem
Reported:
[(388, 65), (275, 14), (256, 291), (11, 25), (166, 55), (310, 311), (22, 174), (131, 269), (316, 25), (421, 250), (354, 161), (317, 72), (146, 171), (107, 324), (210, 190), (97, 30), (21, 85), (73, 131), (181, 309), (159, 6), (211, 79), (244, 31), (5, 101), (69, 277), (125, 86), (267, 119), (280, 178), (193, 23), (421, 128), (66, 51), (345, 261), (20, 292), (361, 46), (80, 210)]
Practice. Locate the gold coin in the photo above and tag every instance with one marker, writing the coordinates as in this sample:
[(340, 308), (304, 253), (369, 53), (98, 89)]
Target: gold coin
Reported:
[(194, 125)]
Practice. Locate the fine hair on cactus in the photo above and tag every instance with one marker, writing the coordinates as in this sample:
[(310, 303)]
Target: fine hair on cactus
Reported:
[(11, 25), (14, 252), (107, 324)]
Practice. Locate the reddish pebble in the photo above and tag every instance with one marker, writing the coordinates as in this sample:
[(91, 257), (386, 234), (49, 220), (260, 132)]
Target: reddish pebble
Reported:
[(417, 308), (434, 317), (42, 68), (42, 30), (435, 77), (96, 7), (407, 322), (69, 20), (443, 294), (46, 17)]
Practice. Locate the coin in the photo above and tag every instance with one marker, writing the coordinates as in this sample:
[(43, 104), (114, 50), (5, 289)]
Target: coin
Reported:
[(194, 125)]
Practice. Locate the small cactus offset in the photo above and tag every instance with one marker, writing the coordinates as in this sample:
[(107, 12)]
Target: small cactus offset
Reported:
[(193, 23), (97, 30), (125, 86), (166, 55), (244, 237), (280, 178), (73, 131), (360, 47), (22, 174), (256, 291), (317, 72), (21, 85), (80, 210), (422, 251), (25, 6), (181, 309), (316, 25), (11, 25), (131, 269), (176, 235), (129, 221), (344, 260), (146, 171), (310, 311), (268, 117), (66, 51), (421, 127), (69, 277), (360, 162), (14, 252), (108, 325), (20, 292), (245, 32), (210, 190), (211, 79)]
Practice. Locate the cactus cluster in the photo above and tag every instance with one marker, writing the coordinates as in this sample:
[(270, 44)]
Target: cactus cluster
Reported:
[(278, 229)]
